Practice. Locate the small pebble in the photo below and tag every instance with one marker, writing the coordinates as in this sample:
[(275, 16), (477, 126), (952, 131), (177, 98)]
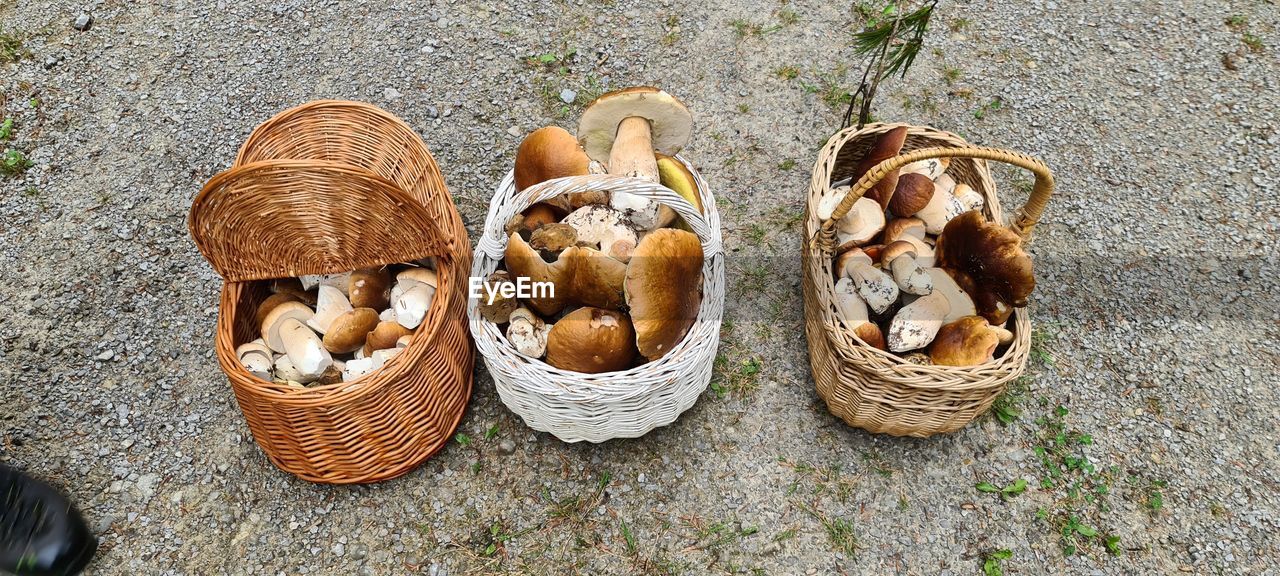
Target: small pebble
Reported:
[(83, 22)]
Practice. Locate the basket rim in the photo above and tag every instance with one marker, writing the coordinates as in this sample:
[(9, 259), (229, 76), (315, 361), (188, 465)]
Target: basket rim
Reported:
[(941, 377), (617, 384)]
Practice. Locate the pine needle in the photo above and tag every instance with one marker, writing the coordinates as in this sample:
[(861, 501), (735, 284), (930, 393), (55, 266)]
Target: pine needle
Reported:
[(893, 44)]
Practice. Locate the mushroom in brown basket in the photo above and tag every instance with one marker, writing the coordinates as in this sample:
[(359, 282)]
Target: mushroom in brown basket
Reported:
[(330, 304), (916, 324), (968, 341), (942, 207), (385, 335), (853, 310), (992, 256), (370, 288), (969, 198), (293, 287), (256, 358), (913, 193), (347, 333), (664, 289), (885, 147), (592, 341), (285, 330), (412, 295), (875, 286), (270, 302), (552, 152), (622, 129), (900, 258)]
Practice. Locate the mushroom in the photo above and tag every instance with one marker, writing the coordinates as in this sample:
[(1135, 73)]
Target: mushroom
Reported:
[(348, 331), (900, 258), (604, 228), (384, 335), (912, 194), (929, 167), (968, 197), (992, 256), (285, 330), (664, 289), (270, 302), (412, 295), (537, 216), (493, 306), (623, 129), (859, 225), (294, 287), (388, 315), (332, 374), (354, 369), (255, 356), (942, 207), (404, 341), (946, 183), (918, 358), (916, 324), (339, 281), (528, 333), (370, 288), (875, 286), (592, 341), (885, 147), (330, 304), (853, 311), (673, 174), (285, 371), (524, 262), (552, 152), (910, 230), (580, 276), (968, 341), (553, 237)]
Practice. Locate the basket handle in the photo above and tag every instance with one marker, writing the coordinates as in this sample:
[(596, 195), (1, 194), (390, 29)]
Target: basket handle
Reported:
[(1023, 221)]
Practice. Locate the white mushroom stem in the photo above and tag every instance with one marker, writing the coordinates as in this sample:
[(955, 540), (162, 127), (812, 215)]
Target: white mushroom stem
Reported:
[(632, 155), (876, 288), (959, 303), (853, 310), (403, 341), (917, 323), (931, 167), (381, 357), (968, 197), (339, 281), (359, 367), (528, 333), (864, 220), (286, 371), (388, 315), (942, 207), (305, 350), (411, 302), (330, 304), (910, 276)]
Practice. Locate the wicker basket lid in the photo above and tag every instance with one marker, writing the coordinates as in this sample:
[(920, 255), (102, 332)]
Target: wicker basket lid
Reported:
[(280, 218)]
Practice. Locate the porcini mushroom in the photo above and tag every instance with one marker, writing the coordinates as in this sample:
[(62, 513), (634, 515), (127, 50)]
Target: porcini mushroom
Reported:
[(900, 258), (592, 341), (330, 304), (968, 341), (622, 129), (875, 286), (347, 333), (294, 287), (255, 356), (942, 207), (969, 198), (494, 306), (859, 225), (912, 194), (604, 228), (674, 175), (992, 256), (528, 333), (384, 335), (580, 276), (910, 230), (358, 367), (885, 147), (369, 288), (412, 295), (929, 167), (270, 302), (853, 311), (916, 324), (548, 153), (285, 330), (664, 289)]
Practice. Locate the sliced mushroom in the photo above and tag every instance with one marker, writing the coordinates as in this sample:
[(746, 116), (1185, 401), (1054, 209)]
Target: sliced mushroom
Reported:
[(900, 258), (603, 228), (624, 128), (270, 302), (528, 333), (853, 310), (349, 331), (876, 287), (592, 341), (330, 304), (255, 356), (664, 289), (412, 295), (357, 368)]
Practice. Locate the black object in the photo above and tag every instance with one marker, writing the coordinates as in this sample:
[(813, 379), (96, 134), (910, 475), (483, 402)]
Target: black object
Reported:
[(41, 533)]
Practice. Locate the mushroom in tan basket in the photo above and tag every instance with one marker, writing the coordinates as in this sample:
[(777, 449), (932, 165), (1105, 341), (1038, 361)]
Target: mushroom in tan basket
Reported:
[(853, 310), (992, 256), (385, 335), (330, 304), (968, 341), (885, 147), (859, 225), (622, 129), (900, 258), (592, 341), (370, 288), (664, 289), (916, 324), (285, 330), (876, 287)]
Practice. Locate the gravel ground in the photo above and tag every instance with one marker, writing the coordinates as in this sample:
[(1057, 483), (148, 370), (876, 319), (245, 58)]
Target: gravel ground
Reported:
[(1156, 312)]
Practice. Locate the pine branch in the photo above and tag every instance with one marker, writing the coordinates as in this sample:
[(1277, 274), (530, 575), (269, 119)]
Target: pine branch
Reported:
[(893, 45)]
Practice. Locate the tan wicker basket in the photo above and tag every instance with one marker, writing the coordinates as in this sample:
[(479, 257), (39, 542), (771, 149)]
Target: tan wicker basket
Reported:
[(324, 188), (874, 389)]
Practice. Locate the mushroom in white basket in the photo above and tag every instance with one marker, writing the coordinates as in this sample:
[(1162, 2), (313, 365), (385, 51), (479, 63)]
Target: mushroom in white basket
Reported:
[(285, 330), (853, 310), (916, 324), (876, 287), (256, 358), (330, 304), (623, 129), (528, 333), (900, 258), (412, 295), (604, 227)]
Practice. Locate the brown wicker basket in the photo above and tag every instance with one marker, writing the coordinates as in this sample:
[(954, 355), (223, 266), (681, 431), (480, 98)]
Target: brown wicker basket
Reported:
[(874, 389), (324, 188)]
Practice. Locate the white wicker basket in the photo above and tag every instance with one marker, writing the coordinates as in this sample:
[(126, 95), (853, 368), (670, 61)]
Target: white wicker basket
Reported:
[(598, 407)]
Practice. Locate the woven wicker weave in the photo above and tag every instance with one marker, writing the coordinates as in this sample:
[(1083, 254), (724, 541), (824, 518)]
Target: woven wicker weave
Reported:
[(874, 389), (598, 407), (338, 186)]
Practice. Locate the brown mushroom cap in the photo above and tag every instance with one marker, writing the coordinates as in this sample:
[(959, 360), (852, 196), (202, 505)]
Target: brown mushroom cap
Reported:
[(294, 286), (348, 331), (912, 194), (664, 289), (670, 122), (886, 146), (270, 303), (370, 288), (992, 256), (548, 153), (523, 261), (592, 340), (968, 341), (384, 336), (274, 321), (581, 275), (537, 216)]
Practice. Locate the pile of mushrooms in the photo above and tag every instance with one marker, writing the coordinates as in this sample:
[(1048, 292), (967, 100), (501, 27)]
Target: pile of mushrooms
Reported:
[(919, 271), (336, 328), (625, 271)]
